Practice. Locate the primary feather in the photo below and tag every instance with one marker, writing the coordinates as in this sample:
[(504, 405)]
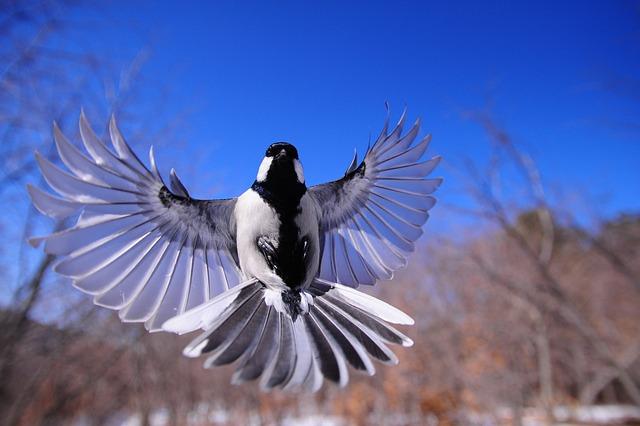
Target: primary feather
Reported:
[(137, 247), (370, 219)]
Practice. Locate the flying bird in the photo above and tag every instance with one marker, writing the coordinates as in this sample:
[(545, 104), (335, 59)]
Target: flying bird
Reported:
[(270, 277)]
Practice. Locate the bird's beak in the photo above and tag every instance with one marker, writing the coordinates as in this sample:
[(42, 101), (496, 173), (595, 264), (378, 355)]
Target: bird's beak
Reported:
[(282, 153)]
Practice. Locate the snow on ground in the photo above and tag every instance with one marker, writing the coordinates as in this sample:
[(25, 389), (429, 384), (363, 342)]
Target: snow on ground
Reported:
[(212, 414), (597, 414)]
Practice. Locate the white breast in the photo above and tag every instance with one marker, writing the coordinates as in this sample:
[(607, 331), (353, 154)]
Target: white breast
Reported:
[(255, 218)]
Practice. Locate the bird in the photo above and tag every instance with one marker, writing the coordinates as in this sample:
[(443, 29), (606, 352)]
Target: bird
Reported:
[(271, 278)]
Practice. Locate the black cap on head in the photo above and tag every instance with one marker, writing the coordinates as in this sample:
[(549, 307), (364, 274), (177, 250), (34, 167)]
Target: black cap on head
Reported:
[(282, 147)]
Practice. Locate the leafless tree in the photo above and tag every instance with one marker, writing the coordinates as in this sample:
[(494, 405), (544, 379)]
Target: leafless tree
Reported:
[(532, 262), (45, 76)]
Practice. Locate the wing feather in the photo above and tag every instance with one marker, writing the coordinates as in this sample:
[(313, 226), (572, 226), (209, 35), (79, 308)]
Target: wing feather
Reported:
[(147, 301), (137, 247), (372, 217), (105, 158), (84, 168), (51, 206)]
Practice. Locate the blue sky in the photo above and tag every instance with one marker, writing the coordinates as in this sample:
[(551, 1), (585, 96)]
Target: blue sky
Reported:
[(563, 79)]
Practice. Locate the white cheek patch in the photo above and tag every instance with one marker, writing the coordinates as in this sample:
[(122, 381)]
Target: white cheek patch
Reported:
[(299, 173), (264, 169)]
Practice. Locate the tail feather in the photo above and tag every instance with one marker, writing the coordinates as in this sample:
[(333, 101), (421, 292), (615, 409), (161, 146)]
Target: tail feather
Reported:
[(226, 326), (246, 337), (334, 326), (304, 356), (257, 361), (324, 352), (282, 365), (204, 316), (351, 348), (225, 333), (376, 307), (388, 334), (314, 378), (373, 344)]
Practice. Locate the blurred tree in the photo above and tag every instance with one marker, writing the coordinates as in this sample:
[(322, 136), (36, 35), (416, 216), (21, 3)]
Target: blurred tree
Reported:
[(572, 290), (47, 73)]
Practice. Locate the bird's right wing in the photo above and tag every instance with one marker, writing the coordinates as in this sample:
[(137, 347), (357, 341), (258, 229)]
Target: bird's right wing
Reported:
[(372, 216), (148, 251)]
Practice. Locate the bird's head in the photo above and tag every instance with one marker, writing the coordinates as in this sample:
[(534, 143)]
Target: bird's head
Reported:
[(281, 165)]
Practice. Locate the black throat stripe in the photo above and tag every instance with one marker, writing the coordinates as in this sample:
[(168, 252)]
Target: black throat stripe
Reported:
[(283, 193)]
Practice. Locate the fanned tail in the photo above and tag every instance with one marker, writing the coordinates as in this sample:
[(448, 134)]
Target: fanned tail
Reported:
[(333, 326)]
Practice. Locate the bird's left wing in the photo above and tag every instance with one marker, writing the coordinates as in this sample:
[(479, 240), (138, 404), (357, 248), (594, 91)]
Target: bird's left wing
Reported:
[(148, 251), (370, 219)]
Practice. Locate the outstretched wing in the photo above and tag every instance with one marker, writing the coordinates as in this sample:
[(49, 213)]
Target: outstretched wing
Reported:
[(370, 219), (148, 251)]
